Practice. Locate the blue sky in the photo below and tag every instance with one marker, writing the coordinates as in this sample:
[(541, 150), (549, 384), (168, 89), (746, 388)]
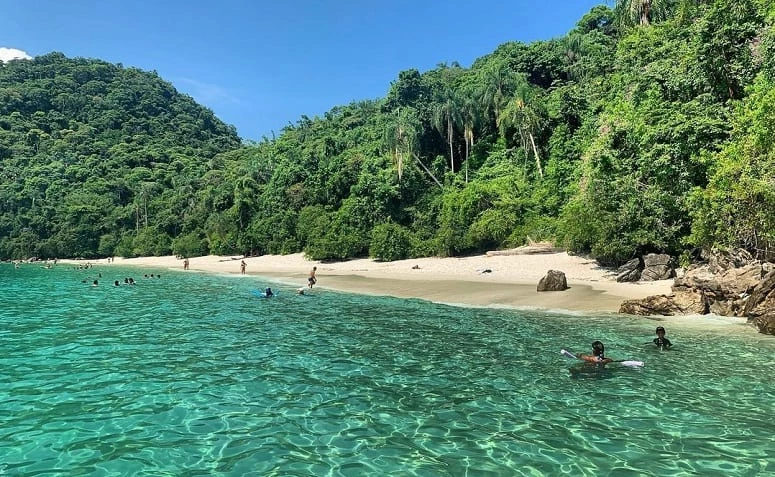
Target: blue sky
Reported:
[(262, 64)]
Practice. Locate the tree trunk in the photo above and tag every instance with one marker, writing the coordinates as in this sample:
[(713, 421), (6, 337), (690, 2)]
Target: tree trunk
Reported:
[(449, 138), (538, 159), (428, 171), (644, 17), (468, 152)]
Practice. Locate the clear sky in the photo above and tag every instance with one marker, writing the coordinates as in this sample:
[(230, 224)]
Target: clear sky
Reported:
[(262, 64)]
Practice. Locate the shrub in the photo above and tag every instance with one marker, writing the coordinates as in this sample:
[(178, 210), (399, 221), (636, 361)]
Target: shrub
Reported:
[(390, 242)]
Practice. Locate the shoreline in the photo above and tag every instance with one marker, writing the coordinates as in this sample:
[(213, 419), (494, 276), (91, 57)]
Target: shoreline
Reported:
[(482, 280)]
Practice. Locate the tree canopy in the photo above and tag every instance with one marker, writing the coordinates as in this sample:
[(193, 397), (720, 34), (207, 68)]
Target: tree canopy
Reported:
[(647, 128)]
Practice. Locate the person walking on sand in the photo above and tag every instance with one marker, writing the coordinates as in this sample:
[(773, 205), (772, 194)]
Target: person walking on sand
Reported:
[(185, 264), (242, 267), (312, 280)]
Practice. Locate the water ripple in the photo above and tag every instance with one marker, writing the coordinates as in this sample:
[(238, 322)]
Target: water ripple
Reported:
[(191, 375)]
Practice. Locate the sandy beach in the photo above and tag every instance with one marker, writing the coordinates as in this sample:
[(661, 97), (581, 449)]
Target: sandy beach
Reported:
[(482, 280)]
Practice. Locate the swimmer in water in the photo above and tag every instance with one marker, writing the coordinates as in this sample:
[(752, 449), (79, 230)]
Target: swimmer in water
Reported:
[(598, 354), (662, 342)]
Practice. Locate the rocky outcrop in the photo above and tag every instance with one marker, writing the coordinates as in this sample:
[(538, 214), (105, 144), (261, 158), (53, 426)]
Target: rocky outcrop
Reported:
[(647, 268), (726, 292), (760, 306), (720, 260), (765, 324), (629, 272), (732, 284), (657, 267), (554, 280), (683, 303)]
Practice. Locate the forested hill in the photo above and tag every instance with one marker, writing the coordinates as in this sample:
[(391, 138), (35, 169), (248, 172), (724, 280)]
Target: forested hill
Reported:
[(649, 127), (86, 146)]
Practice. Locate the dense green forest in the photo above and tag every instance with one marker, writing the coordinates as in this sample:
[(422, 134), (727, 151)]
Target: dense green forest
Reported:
[(649, 127)]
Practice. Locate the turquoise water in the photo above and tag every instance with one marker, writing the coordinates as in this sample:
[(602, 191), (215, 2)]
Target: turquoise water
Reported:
[(190, 374)]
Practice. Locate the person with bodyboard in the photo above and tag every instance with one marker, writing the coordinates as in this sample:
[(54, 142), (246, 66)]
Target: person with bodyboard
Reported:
[(598, 356)]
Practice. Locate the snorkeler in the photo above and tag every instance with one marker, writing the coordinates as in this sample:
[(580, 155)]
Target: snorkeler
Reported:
[(598, 354), (660, 340)]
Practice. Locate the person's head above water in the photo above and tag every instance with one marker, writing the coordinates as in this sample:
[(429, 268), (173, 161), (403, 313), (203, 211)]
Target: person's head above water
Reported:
[(598, 349), (660, 331)]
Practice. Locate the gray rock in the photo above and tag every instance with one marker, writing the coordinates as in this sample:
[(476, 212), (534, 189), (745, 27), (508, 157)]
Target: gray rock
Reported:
[(657, 267), (720, 260), (554, 280), (629, 272)]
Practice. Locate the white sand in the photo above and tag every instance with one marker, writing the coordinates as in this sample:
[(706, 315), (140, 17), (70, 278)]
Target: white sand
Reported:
[(511, 280)]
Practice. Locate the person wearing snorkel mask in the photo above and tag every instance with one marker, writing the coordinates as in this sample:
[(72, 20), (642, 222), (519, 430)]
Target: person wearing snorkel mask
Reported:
[(660, 340), (598, 354)]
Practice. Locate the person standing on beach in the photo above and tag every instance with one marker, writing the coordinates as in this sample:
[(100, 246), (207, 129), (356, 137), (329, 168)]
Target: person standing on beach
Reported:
[(312, 279), (242, 267), (185, 264)]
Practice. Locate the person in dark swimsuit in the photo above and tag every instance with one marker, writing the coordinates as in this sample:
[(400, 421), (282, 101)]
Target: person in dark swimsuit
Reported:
[(660, 340)]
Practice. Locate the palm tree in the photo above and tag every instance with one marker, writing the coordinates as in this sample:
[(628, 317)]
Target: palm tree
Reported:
[(523, 113), (446, 116), (499, 81), (401, 137), (642, 12), (470, 112), (573, 45), (143, 193)]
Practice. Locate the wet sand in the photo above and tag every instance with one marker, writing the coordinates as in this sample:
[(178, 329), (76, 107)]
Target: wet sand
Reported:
[(482, 280)]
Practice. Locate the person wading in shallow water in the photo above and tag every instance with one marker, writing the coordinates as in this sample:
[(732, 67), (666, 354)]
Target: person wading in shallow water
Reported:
[(660, 340), (312, 279)]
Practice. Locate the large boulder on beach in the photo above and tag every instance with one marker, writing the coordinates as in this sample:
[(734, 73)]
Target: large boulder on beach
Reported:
[(629, 272), (554, 280), (657, 266), (683, 303)]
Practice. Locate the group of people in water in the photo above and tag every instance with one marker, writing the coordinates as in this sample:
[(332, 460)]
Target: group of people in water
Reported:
[(598, 349), (127, 280)]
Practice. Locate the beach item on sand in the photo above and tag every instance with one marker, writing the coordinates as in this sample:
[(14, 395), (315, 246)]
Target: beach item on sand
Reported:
[(624, 362)]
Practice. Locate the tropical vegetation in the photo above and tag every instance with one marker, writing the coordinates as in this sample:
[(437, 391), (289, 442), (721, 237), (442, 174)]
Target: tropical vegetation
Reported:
[(649, 127)]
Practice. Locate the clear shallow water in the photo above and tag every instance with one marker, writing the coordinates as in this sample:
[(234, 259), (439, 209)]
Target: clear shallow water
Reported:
[(190, 374)]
